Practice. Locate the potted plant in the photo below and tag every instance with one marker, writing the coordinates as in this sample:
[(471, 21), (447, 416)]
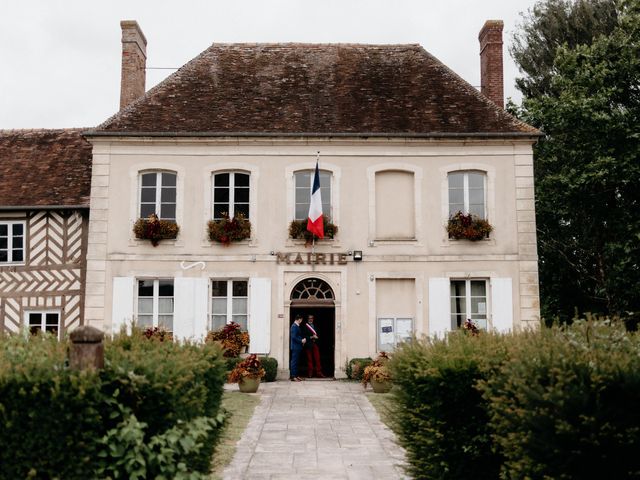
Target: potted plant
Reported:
[(247, 374), (154, 229), (233, 339), (298, 230), (227, 230), (463, 226), (378, 375)]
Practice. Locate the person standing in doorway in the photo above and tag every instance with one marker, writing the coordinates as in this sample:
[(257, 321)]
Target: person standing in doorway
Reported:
[(313, 351), (296, 342)]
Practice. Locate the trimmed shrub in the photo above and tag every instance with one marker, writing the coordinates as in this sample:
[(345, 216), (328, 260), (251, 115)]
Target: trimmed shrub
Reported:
[(355, 367), (60, 423), (270, 366), (565, 405), (231, 362), (441, 417)]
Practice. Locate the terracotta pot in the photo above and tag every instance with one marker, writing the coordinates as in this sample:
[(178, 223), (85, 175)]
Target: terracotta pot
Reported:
[(381, 387), (249, 385)]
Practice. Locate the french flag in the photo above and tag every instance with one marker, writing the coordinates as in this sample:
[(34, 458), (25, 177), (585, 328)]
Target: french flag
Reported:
[(314, 223)]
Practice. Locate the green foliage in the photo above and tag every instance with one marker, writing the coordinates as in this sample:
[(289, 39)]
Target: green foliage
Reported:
[(129, 453), (564, 405), (551, 24), (231, 338), (60, 423), (587, 165), (441, 418), (355, 367), (270, 366), (227, 230)]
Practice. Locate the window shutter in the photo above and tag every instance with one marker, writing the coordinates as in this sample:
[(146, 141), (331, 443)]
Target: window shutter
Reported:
[(439, 307), (122, 303), (190, 313), (502, 304), (259, 315)]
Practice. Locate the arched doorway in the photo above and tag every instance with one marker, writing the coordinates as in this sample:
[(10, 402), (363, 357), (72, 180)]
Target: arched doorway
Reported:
[(313, 296)]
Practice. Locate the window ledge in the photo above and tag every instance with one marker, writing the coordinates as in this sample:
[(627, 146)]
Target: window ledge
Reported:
[(135, 242), (294, 242), (447, 242)]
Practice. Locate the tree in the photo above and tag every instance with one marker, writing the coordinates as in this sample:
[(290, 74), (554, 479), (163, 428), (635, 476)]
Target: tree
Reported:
[(554, 23), (588, 172)]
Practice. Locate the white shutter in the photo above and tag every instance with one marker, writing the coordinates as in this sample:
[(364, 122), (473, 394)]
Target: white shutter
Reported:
[(439, 307), (259, 315), (190, 313), (122, 303), (502, 304)]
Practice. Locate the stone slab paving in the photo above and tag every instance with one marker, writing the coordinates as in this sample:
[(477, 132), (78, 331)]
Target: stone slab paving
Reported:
[(315, 430)]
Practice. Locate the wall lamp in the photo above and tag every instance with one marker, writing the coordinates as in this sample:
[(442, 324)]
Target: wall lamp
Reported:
[(357, 255)]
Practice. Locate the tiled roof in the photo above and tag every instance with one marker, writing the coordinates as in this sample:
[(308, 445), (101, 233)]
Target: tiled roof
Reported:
[(314, 89), (44, 168)]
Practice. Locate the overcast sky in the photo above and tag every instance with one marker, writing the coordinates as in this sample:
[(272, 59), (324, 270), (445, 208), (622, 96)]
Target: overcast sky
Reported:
[(60, 59)]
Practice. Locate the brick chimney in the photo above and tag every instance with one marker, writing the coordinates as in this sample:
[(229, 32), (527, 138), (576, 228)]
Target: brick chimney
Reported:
[(491, 81), (134, 62)]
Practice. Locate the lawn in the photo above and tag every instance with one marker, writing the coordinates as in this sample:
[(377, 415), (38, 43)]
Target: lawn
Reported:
[(240, 407), (383, 403)]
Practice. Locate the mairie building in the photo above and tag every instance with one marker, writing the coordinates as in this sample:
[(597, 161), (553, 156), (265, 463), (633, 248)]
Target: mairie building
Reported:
[(403, 144)]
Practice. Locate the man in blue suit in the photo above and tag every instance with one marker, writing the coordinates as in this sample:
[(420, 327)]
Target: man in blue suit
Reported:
[(296, 341)]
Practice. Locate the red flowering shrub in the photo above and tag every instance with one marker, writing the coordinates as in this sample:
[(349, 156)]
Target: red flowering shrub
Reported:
[(232, 338), (157, 333), (468, 227)]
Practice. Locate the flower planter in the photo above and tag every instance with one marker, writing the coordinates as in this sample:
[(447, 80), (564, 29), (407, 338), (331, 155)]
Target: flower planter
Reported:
[(381, 387), (227, 230), (249, 385)]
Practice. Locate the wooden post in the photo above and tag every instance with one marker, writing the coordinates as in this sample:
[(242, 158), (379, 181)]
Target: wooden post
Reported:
[(87, 348)]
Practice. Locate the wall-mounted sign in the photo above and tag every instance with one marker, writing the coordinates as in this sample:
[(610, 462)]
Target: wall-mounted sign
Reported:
[(308, 258)]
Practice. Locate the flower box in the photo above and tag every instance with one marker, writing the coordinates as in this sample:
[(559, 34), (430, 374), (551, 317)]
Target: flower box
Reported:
[(298, 230), (227, 230), (463, 226), (155, 229)]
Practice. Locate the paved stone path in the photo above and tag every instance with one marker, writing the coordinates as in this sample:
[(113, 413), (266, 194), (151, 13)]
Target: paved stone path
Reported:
[(315, 430)]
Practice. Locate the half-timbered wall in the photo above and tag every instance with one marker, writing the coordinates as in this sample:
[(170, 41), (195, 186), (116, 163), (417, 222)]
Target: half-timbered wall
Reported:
[(53, 274)]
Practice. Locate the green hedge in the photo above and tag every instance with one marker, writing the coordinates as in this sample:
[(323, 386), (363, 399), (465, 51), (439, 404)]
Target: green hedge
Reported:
[(567, 404), (270, 366), (118, 422), (355, 367), (557, 403), (442, 420)]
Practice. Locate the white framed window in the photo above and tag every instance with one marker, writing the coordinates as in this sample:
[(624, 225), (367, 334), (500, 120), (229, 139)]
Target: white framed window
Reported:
[(303, 181), (158, 194), (231, 194), (229, 303), (156, 303), (392, 331), (467, 193), (12, 242), (43, 321), (469, 302)]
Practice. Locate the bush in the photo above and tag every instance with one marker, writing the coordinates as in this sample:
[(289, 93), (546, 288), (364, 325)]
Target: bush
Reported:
[(355, 367), (231, 337), (566, 404), (60, 423), (441, 417), (270, 366)]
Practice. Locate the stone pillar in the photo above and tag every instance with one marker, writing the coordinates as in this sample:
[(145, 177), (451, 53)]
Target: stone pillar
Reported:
[(87, 348), (491, 74), (134, 62)]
